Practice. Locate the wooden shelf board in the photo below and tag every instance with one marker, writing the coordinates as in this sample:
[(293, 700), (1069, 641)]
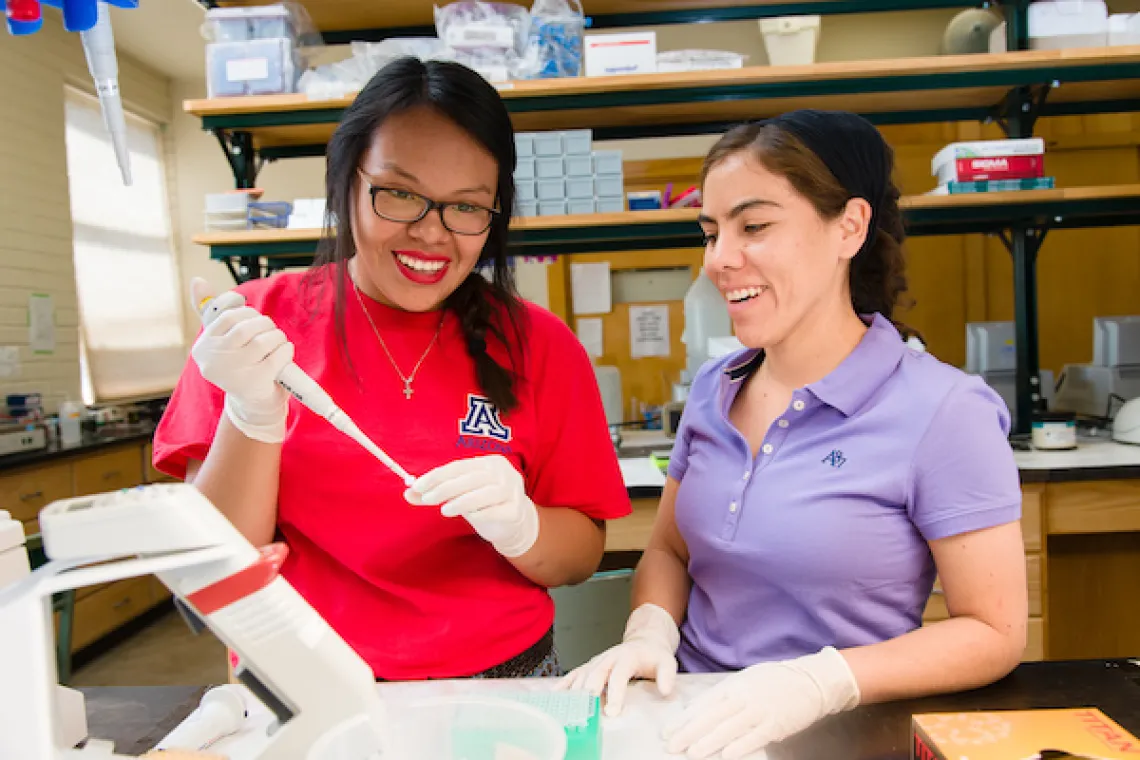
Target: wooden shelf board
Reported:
[(881, 87), (584, 228)]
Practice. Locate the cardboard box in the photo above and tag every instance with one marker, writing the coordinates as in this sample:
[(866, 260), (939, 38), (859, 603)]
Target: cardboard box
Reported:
[(627, 53), (1079, 733)]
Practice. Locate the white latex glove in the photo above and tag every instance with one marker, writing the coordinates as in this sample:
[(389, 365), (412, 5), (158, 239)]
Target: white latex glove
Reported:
[(489, 493), (648, 650), (242, 351), (763, 704)]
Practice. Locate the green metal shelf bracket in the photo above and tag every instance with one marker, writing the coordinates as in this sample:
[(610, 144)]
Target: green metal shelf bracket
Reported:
[(1023, 243), (241, 155)]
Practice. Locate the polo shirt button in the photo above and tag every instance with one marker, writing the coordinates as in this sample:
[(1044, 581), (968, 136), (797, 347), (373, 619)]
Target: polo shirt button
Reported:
[(732, 507), (783, 423), (798, 405), (767, 448), (746, 474)]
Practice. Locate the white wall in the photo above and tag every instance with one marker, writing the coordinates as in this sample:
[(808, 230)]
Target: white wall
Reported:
[(35, 218)]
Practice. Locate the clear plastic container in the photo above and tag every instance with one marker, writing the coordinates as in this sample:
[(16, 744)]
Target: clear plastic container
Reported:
[(473, 728), (70, 423), (253, 67), (698, 60), (706, 318), (256, 23)]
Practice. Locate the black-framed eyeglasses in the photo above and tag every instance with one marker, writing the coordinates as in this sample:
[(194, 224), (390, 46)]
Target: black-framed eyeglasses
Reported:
[(398, 205)]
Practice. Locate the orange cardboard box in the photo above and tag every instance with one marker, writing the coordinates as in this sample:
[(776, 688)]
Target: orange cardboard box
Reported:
[(1077, 734)]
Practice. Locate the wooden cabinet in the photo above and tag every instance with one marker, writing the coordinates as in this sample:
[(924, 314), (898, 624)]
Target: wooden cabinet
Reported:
[(150, 474), (110, 471), (1031, 532), (23, 493), (102, 608)]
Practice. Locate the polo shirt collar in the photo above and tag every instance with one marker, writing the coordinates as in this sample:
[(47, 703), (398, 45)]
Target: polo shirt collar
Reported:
[(850, 385)]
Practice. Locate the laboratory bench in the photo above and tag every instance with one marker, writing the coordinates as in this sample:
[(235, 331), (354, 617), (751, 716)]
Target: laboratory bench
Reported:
[(1080, 523), (118, 457), (137, 718)]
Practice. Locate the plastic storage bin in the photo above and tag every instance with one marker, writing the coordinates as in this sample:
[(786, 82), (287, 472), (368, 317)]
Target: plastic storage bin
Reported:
[(548, 167), (577, 142), (548, 144), (528, 208), (253, 67), (524, 169), (241, 24), (526, 190), (609, 205), (551, 208), (790, 40), (580, 187), (608, 187), (579, 166), (607, 162), (524, 144), (580, 206), (551, 190)]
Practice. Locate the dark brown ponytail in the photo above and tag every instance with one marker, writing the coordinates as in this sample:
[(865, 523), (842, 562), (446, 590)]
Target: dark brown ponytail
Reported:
[(474, 303)]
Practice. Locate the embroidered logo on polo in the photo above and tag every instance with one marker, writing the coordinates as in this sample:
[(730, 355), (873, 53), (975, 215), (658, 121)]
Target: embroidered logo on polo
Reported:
[(835, 458), (482, 427)]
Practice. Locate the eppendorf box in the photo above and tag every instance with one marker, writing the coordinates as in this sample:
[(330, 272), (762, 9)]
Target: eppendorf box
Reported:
[(1080, 734)]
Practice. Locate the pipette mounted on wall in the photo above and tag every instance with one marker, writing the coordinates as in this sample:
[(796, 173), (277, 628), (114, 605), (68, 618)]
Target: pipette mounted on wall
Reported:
[(92, 19)]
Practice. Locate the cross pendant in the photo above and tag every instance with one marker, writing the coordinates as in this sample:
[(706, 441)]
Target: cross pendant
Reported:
[(408, 390)]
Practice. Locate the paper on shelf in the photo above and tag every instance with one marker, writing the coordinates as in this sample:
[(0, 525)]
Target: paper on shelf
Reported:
[(648, 331), (590, 288), (590, 333)]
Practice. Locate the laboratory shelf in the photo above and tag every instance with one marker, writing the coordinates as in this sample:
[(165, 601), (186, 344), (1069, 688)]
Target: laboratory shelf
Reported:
[(677, 228), (889, 91), (342, 21), (1011, 89)]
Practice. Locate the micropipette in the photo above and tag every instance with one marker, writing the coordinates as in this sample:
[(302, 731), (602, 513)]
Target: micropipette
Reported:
[(99, 47), (293, 379)]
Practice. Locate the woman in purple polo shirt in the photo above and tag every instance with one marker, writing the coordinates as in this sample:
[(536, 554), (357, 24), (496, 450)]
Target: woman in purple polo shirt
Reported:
[(821, 478)]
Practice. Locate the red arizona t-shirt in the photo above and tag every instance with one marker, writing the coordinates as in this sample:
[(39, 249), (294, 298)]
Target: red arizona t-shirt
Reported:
[(416, 594)]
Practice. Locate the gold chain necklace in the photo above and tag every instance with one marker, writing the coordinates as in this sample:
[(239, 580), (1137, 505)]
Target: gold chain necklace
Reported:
[(407, 380)]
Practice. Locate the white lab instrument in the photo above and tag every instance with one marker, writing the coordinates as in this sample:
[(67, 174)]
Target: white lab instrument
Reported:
[(71, 724), (1126, 425), (991, 353), (99, 47), (16, 438), (706, 318), (322, 694), (298, 383), (221, 713), (1112, 378)]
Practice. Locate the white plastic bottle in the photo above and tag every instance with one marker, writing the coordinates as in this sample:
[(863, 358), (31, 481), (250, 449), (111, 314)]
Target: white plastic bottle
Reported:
[(706, 316), (70, 433)]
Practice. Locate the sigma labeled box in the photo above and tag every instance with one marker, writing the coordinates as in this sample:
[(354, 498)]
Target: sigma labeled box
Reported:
[(627, 53), (1080, 734)]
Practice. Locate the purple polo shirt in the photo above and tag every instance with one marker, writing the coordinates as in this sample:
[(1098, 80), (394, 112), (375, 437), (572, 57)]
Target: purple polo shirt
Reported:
[(821, 539)]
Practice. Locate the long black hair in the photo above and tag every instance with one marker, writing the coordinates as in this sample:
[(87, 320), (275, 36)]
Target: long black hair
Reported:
[(469, 101)]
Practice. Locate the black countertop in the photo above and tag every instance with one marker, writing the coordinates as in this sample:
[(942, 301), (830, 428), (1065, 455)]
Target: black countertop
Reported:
[(137, 718), (91, 443)]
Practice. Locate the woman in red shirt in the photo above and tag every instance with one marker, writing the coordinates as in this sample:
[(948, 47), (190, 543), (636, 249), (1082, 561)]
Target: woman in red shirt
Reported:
[(490, 401)]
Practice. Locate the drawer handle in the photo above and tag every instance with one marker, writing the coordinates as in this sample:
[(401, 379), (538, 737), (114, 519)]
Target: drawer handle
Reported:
[(937, 592), (121, 603), (31, 496), (111, 475)]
